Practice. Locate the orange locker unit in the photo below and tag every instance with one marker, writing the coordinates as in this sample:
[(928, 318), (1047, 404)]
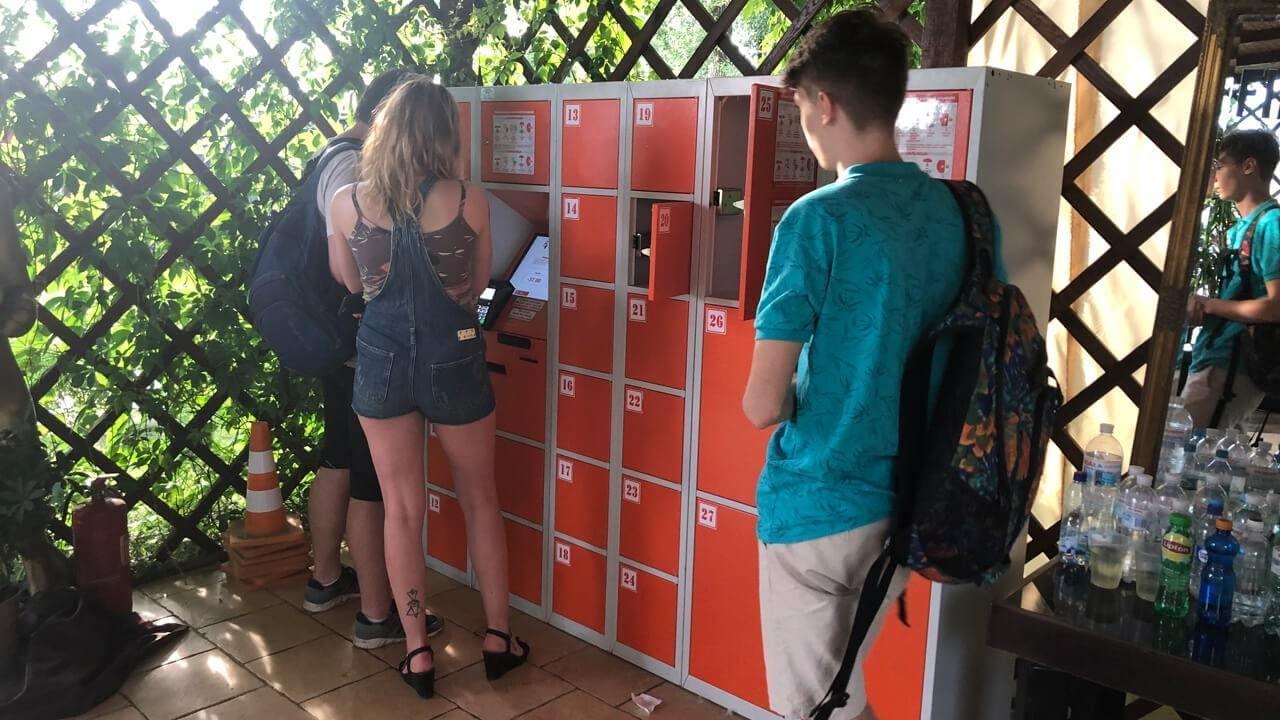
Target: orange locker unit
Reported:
[(627, 472)]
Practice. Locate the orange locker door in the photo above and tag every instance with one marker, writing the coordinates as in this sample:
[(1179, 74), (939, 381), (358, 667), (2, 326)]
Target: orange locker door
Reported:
[(446, 530), (438, 464), (664, 144), (780, 168), (725, 649), (653, 434), (582, 415), (516, 142), (894, 668), (730, 450), (586, 327), (524, 561), (670, 248), (582, 501), (518, 370), (657, 340), (647, 613), (578, 585), (649, 525), (464, 137), (520, 474), (590, 140), (588, 237)]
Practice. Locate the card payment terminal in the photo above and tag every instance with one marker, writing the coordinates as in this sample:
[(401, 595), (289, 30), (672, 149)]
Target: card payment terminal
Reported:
[(489, 306)]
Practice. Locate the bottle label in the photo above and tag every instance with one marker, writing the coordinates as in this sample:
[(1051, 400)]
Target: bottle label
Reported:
[(1133, 519), (1202, 554), (1275, 562), (1102, 472), (1175, 548)]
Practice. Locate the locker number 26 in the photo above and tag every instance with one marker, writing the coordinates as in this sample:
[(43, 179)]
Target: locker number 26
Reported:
[(569, 298), (717, 321), (628, 579), (568, 384), (707, 515), (635, 400), (562, 553), (433, 502)]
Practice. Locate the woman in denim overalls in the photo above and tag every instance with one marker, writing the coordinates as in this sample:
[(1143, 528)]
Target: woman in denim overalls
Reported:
[(415, 241)]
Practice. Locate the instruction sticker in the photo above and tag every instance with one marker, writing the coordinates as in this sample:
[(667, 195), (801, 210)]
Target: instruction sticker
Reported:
[(571, 208), (644, 114), (563, 554), (793, 161), (637, 309), (569, 298), (564, 470), (568, 384), (628, 579), (930, 132), (631, 490), (514, 143), (707, 515), (635, 400), (717, 321), (573, 115)]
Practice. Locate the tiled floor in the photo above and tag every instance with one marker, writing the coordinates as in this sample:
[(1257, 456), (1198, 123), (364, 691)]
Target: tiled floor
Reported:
[(255, 654)]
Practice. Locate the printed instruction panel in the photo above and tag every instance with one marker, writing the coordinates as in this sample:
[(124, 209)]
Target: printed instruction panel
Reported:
[(933, 131), (513, 143), (793, 162)]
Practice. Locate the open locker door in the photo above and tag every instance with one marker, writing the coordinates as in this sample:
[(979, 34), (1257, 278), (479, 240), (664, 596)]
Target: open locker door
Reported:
[(780, 169)]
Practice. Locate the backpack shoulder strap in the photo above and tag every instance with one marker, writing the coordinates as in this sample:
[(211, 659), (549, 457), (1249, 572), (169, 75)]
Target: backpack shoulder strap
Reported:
[(317, 164), (1245, 254), (979, 225)]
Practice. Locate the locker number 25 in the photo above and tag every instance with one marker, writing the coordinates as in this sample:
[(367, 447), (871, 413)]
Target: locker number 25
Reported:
[(766, 105), (628, 579), (707, 515), (562, 553), (635, 400), (717, 321), (568, 384)]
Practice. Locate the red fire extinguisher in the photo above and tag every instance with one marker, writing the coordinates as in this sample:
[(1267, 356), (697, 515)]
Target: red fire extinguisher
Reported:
[(100, 533)]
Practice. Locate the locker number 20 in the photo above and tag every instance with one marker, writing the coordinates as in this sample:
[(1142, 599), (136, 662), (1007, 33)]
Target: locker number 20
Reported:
[(628, 579), (717, 321), (433, 502), (635, 400), (707, 515), (568, 384), (562, 553)]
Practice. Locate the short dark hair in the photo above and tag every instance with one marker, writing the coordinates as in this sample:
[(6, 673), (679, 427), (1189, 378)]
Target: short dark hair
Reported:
[(377, 91), (1261, 145), (860, 61)]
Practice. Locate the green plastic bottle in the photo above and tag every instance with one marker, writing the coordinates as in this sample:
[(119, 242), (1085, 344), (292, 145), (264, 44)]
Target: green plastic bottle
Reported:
[(1175, 567)]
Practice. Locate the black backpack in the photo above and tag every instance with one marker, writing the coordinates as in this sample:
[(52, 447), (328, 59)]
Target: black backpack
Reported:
[(294, 301), (965, 477)]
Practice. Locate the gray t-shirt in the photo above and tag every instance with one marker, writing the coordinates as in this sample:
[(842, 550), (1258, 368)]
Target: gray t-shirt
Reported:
[(343, 169)]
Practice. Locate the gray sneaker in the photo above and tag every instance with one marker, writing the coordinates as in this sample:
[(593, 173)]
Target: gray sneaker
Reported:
[(319, 598), (370, 635)]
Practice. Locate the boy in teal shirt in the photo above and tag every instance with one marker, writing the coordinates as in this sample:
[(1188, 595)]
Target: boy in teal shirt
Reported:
[(858, 271), (1243, 173)]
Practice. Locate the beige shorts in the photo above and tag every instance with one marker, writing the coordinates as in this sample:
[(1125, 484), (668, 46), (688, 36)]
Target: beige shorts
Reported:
[(808, 596), (1204, 388)]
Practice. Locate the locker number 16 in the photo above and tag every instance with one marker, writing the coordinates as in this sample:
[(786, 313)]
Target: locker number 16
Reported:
[(567, 385)]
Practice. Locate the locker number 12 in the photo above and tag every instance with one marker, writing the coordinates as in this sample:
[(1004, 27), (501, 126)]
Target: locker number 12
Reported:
[(567, 384), (707, 515), (433, 502), (562, 553), (628, 576)]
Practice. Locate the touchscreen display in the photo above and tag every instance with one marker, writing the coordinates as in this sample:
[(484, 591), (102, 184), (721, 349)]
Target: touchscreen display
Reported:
[(531, 277)]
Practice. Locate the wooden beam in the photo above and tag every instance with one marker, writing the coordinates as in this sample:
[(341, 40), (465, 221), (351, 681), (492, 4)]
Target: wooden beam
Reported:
[(946, 33)]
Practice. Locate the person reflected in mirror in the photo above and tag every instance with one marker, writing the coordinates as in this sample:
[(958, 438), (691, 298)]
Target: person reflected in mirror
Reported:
[(1249, 292)]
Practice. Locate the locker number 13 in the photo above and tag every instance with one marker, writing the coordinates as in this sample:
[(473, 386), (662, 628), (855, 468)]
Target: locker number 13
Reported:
[(572, 115)]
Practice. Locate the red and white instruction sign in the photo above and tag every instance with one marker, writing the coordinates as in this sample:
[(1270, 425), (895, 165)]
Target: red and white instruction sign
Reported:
[(932, 132), (514, 143), (793, 162)]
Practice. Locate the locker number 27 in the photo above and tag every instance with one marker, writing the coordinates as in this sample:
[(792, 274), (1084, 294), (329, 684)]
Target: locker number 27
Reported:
[(628, 579), (707, 515), (567, 385), (562, 553)]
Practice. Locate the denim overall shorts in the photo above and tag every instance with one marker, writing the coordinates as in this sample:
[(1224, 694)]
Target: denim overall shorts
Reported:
[(417, 348)]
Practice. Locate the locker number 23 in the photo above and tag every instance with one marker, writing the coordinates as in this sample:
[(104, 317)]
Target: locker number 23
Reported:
[(628, 579), (707, 515), (567, 385), (631, 490), (635, 400)]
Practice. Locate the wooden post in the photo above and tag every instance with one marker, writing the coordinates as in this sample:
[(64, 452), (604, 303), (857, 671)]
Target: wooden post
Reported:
[(946, 33)]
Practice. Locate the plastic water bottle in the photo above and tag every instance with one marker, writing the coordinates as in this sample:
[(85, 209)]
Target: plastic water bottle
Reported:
[(1205, 524), (1190, 476), (1264, 471), (1252, 566), (1133, 521), (1273, 580), (1248, 508), (1218, 579), (1103, 458), (1235, 496), (1205, 452), (1073, 539), (1175, 567), (1218, 472), (1177, 428), (1129, 479), (1170, 498)]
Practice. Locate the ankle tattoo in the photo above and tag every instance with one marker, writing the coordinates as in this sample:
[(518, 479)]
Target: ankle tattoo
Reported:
[(413, 608)]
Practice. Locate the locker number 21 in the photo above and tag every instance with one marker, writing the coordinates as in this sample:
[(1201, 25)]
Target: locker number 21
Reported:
[(707, 515), (637, 309), (569, 298), (433, 502), (567, 385), (635, 400), (717, 321), (562, 553), (628, 579)]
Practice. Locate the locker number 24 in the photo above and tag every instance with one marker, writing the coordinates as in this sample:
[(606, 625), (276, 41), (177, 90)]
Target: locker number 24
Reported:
[(717, 321), (562, 553), (568, 383), (707, 515), (569, 298), (631, 490), (635, 400), (433, 502), (564, 470), (572, 115), (644, 114), (628, 579), (637, 309)]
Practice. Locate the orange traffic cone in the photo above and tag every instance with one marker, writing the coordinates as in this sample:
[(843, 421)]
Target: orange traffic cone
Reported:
[(264, 507)]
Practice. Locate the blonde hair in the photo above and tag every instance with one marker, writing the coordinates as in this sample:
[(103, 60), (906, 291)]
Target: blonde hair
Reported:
[(414, 134)]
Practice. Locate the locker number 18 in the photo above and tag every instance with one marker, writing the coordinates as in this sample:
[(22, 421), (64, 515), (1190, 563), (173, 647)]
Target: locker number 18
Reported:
[(562, 553), (628, 579), (717, 321), (635, 400), (707, 515), (433, 502), (567, 384)]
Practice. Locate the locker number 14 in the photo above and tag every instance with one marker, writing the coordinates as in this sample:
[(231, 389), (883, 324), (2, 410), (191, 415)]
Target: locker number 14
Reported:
[(571, 208)]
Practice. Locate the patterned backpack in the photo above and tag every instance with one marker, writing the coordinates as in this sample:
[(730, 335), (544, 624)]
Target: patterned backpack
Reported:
[(966, 475)]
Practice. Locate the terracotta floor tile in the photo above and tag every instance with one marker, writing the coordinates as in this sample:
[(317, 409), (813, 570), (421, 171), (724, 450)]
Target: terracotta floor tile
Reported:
[(608, 677), (261, 704), (264, 632), (316, 667), (456, 648), (186, 582), (215, 603), (147, 608), (340, 619), (520, 691), (182, 687), (679, 703), (577, 705), (129, 713), (383, 696), (292, 593), (438, 584), (190, 643), (112, 704), (457, 715), (548, 644), (461, 606)]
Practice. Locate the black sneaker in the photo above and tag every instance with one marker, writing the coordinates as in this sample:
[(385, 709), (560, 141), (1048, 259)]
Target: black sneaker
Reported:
[(319, 598)]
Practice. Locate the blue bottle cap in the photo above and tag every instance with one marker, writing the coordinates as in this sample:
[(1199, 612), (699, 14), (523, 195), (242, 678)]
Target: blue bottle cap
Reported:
[(1080, 477), (1214, 506)]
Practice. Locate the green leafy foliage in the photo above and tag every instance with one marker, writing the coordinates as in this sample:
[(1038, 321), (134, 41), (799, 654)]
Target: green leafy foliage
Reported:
[(149, 154)]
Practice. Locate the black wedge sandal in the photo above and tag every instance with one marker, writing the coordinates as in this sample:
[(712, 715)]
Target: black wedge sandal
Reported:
[(423, 683), (497, 664)]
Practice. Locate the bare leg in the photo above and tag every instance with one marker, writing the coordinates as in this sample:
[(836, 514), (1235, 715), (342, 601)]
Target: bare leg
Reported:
[(327, 515), (396, 446), (365, 523), (470, 452)]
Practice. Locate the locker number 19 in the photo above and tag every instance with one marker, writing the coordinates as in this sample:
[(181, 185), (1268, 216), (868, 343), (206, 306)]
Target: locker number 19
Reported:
[(433, 502), (562, 553), (567, 384), (707, 515), (637, 309), (564, 470), (572, 115), (571, 208), (628, 579), (717, 321), (635, 400), (631, 490), (644, 114), (569, 298)]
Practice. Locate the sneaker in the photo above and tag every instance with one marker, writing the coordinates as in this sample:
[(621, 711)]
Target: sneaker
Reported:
[(319, 598), (369, 635)]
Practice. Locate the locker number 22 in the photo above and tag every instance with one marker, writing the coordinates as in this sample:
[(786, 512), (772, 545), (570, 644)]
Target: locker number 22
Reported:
[(637, 309), (644, 114), (628, 579), (564, 470), (707, 515), (562, 553), (572, 115), (717, 321), (635, 400), (631, 490), (433, 502), (569, 298), (567, 385)]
